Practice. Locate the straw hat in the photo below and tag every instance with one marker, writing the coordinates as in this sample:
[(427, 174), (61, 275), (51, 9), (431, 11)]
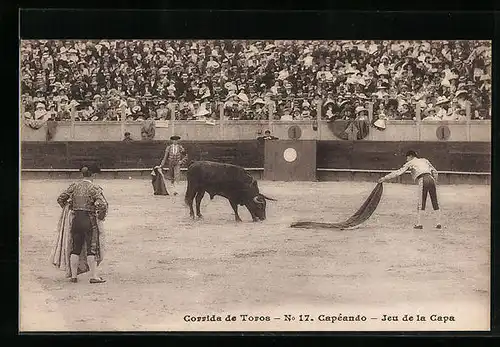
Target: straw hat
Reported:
[(342, 103), (485, 78), (230, 95), (442, 100), (429, 109), (360, 109), (350, 70), (259, 101), (202, 111), (380, 123), (329, 101), (269, 46), (243, 97)]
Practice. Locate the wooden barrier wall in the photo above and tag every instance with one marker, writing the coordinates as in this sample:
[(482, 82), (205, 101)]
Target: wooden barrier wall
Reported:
[(396, 131), (374, 155), (369, 155), (143, 154)]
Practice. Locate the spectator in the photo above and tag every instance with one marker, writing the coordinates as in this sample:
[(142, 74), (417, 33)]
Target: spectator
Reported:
[(407, 113), (148, 128), (267, 136), (287, 115), (275, 72), (361, 113), (163, 113), (127, 137), (442, 104), (430, 114), (40, 112)]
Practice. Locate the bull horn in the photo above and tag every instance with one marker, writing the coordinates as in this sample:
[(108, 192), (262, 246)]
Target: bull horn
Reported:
[(258, 200), (267, 198)]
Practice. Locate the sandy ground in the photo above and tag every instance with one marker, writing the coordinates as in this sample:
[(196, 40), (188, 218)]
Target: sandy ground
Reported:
[(161, 266)]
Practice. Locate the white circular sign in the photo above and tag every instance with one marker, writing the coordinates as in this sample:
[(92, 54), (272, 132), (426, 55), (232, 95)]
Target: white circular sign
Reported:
[(290, 154)]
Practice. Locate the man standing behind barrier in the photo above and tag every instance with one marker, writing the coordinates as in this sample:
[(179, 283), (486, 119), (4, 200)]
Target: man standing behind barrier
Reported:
[(89, 206), (175, 154), (426, 176)]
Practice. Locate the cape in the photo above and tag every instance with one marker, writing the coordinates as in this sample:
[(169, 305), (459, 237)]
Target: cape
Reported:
[(364, 212), (158, 182)]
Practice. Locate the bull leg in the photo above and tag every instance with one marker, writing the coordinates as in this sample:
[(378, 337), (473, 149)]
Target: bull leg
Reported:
[(235, 208), (188, 199), (199, 196)]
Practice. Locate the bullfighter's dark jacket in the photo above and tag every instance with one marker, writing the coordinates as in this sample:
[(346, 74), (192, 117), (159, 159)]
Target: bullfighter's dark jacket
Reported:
[(85, 196)]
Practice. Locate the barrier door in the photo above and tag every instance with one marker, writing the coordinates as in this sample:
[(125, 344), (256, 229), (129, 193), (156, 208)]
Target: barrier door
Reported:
[(290, 160)]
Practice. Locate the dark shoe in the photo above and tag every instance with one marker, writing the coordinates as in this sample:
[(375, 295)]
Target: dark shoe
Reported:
[(418, 227), (439, 226), (73, 280), (97, 280)]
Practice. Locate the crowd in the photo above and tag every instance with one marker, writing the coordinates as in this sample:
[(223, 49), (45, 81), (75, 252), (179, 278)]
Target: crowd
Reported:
[(101, 79)]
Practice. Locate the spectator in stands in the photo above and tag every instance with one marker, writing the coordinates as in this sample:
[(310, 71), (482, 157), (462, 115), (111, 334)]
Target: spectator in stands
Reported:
[(64, 113), (51, 113), (273, 71), (40, 112), (27, 103), (430, 114), (287, 114), (148, 129), (162, 113), (407, 113)]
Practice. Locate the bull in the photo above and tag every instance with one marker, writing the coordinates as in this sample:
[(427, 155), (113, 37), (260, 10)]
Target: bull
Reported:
[(226, 180)]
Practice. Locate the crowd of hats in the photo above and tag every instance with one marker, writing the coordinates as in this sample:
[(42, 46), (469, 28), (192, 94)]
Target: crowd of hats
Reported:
[(288, 79)]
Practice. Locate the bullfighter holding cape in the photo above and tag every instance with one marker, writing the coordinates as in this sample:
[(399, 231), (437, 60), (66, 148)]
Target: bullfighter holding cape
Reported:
[(80, 243), (175, 155), (422, 172)]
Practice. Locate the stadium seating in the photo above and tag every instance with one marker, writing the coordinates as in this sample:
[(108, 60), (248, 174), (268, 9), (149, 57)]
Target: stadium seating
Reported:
[(289, 80)]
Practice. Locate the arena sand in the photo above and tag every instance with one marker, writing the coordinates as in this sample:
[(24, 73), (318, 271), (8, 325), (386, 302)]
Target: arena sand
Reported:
[(161, 266)]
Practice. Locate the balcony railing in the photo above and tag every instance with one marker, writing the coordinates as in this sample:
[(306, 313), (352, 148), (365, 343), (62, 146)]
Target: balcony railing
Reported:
[(219, 127)]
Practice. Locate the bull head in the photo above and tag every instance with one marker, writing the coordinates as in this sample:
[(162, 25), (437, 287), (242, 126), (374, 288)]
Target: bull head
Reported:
[(258, 206)]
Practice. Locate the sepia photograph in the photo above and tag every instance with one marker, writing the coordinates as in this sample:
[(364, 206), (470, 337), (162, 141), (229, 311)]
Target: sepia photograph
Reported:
[(254, 185)]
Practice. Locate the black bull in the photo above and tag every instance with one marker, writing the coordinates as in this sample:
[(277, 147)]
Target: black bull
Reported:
[(229, 181)]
